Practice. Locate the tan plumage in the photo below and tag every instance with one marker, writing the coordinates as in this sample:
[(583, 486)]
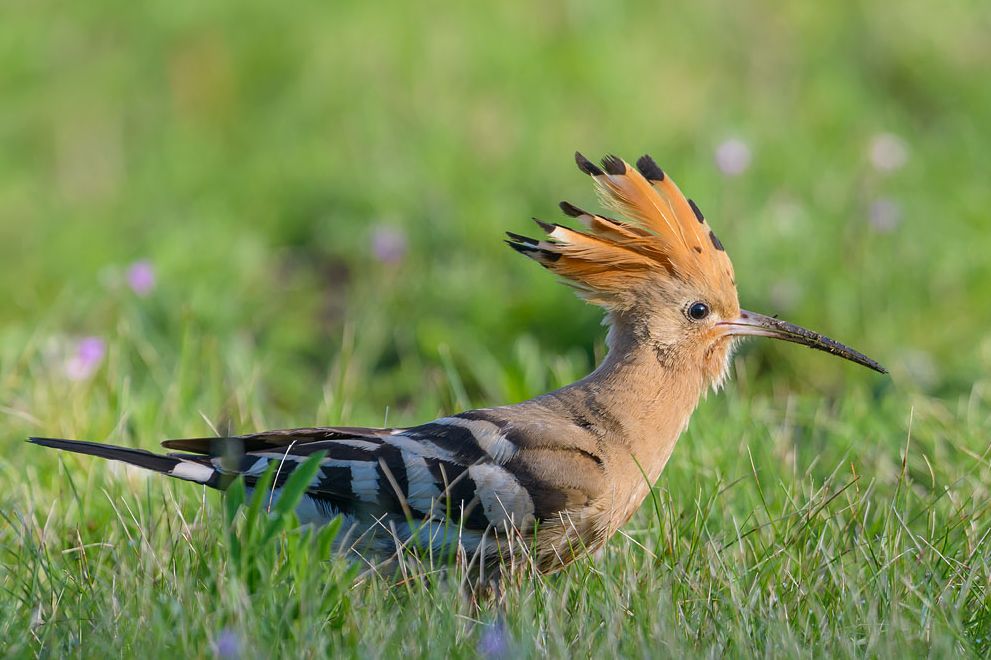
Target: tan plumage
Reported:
[(539, 483)]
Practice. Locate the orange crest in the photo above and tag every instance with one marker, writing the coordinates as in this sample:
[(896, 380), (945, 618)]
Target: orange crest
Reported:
[(664, 236)]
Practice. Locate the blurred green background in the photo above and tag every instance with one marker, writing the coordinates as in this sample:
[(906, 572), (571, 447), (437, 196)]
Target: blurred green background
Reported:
[(236, 216), (301, 176)]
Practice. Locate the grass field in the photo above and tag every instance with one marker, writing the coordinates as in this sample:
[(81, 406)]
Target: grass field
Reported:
[(225, 217)]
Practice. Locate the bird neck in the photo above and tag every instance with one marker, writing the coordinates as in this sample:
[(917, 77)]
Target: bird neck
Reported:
[(650, 392)]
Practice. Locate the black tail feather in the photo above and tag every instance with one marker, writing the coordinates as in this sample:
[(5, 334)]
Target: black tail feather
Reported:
[(197, 471)]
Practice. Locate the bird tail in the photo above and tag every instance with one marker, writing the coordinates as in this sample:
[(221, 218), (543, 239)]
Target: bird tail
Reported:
[(197, 469)]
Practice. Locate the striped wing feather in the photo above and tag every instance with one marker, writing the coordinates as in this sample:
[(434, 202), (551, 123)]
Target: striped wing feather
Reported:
[(275, 439), (449, 469)]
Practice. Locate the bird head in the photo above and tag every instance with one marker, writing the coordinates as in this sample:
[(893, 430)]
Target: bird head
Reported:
[(660, 271)]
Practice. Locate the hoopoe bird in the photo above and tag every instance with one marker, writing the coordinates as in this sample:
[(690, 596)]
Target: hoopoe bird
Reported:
[(542, 482)]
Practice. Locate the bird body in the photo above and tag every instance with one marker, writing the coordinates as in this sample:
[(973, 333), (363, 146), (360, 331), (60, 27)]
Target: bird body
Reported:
[(542, 482)]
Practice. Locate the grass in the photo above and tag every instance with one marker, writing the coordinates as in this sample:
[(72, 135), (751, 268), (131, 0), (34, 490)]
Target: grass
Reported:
[(252, 154)]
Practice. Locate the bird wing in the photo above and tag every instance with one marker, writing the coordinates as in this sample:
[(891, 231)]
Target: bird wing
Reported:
[(460, 469), (453, 468), (474, 469), (266, 440), (433, 471)]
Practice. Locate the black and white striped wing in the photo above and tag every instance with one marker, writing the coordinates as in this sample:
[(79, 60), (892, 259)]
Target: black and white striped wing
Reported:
[(453, 469), (448, 481)]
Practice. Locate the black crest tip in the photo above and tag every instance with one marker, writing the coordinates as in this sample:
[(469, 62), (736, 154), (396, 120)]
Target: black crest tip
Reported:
[(535, 252), (614, 165), (716, 243), (519, 238), (546, 226), (649, 168), (696, 211), (520, 247), (571, 210), (587, 166)]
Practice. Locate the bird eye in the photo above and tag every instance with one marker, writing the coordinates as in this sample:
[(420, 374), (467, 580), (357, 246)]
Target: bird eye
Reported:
[(697, 311)]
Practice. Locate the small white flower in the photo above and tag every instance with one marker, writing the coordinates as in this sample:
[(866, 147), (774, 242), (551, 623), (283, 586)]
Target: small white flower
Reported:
[(733, 157), (888, 152), (921, 367)]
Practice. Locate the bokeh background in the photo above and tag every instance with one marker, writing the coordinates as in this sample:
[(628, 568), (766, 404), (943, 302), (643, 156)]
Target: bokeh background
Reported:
[(284, 182), (233, 216)]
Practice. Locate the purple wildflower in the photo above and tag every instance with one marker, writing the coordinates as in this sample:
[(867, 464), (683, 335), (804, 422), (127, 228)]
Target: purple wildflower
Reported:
[(141, 277), (887, 152), (388, 244), (733, 157), (227, 645), (494, 642), (884, 215), (86, 359)]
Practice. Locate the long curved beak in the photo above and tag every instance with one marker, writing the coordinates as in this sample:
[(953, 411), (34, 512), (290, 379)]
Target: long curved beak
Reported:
[(758, 325)]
